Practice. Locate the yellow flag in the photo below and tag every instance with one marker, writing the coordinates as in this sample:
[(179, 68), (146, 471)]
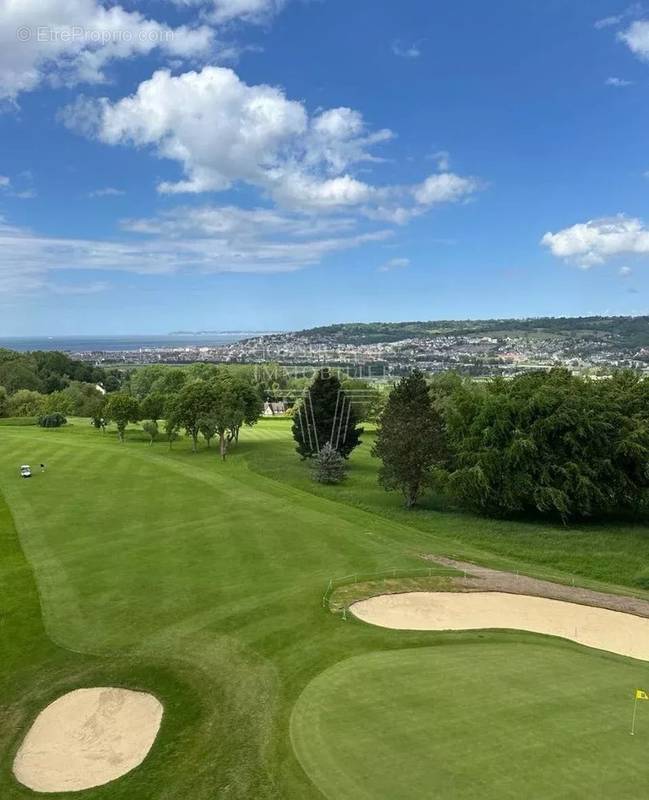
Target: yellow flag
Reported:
[(640, 695)]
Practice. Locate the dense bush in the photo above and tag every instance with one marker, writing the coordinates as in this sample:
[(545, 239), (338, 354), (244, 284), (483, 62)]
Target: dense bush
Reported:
[(55, 420)]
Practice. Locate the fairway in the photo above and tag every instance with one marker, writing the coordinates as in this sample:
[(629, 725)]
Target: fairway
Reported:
[(542, 721), (201, 583)]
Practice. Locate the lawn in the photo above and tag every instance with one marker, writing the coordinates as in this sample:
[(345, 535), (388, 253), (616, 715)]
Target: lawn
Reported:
[(521, 720), (201, 582)]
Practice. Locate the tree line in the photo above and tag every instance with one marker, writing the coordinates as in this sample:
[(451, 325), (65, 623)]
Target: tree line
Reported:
[(43, 383), (543, 442), (216, 406)]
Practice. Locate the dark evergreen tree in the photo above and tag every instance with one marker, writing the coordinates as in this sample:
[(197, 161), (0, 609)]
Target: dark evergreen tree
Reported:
[(326, 414), (410, 439)]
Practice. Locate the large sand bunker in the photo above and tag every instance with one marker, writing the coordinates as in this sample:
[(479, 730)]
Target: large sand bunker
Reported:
[(614, 631), (87, 738)]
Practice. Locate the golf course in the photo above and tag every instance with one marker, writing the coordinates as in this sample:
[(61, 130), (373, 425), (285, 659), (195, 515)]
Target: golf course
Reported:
[(207, 584)]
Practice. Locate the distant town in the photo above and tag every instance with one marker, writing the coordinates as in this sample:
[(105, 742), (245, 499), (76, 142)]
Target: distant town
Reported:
[(585, 345)]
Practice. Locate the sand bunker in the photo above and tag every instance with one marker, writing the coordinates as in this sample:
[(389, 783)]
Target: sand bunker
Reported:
[(614, 631), (87, 738)]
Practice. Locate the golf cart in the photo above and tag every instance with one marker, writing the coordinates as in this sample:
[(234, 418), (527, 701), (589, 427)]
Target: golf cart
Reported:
[(25, 471)]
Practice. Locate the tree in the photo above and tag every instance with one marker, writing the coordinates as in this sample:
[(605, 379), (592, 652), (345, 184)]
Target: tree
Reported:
[(328, 465), (234, 402), (59, 402), (4, 402), (121, 409), (208, 426), (26, 403), (194, 402), (551, 443), (249, 401), (228, 411), (96, 411), (152, 407), (150, 427), (368, 400), (143, 381), (326, 414), (409, 439), (172, 426)]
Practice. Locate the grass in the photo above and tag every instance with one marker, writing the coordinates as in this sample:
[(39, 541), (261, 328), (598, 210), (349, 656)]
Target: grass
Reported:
[(611, 553), (342, 597), (503, 718), (202, 583)]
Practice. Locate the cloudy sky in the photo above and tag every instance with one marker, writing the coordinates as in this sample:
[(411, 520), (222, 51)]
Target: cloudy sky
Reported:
[(276, 164)]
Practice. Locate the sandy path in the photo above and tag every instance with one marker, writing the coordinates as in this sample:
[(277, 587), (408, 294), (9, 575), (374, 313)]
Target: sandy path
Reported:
[(87, 738), (486, 579), (615, 631)]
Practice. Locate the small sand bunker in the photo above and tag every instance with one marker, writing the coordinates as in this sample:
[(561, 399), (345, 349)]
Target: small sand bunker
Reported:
[(614, 631), (87, 738)]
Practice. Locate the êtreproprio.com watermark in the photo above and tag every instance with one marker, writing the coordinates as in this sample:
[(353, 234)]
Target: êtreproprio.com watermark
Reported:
[(100, 36)]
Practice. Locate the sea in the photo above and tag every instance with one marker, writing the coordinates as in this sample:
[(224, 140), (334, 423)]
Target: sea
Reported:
[(85, 344)]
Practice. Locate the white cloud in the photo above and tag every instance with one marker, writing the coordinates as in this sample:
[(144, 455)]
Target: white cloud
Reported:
[(82, 289), (206, 240), (618, 83), (394, 263), (7, 186), (443, 159), (636, 37), (405, 50), (609, 22), (73, 41), (217, 127), (223, 131), (445, 187), (633, 10), (597, 241), (224, 11), (626, 272), (238, 223), (247, 10), (108, 191), (299, 190)]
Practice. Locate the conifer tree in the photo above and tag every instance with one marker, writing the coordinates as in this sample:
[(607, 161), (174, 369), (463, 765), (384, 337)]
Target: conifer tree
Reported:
[(328, 465), (326, 414), (410, 439)]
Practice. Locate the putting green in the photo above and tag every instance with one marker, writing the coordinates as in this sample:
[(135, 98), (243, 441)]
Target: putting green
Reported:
[(500, 715)]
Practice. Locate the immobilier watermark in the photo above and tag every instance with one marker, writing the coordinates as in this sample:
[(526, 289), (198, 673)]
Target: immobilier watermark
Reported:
[(71, 34)]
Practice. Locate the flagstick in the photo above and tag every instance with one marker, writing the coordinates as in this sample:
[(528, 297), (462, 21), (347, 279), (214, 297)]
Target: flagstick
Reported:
[(635, 708)]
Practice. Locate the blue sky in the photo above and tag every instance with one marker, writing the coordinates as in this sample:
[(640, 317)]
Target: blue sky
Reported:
[(277, 164)]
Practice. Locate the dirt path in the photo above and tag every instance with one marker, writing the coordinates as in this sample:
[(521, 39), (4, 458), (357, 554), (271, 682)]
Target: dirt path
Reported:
[(484, 579)]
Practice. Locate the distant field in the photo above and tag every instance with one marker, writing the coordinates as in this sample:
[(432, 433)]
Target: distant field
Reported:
[(202, 583)]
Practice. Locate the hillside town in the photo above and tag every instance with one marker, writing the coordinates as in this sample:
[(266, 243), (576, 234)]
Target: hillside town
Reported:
[(497, 353)]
